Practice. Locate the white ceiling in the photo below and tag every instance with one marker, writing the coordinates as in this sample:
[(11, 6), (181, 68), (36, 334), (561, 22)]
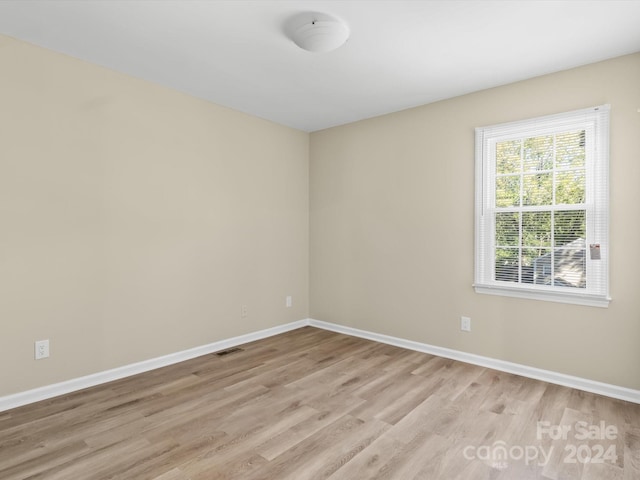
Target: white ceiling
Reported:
[(400, 54)]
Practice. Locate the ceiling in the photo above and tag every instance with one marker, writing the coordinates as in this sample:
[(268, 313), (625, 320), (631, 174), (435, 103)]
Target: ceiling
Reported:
[(400, 53)]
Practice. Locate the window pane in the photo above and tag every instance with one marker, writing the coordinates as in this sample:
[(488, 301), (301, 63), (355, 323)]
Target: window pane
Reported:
[(508, 191), (570, 187), (540, 260), (507, 229), (569, 228), (570, 149), (570, 269), (508, 157), (536, 265), (536, 229), (507, 264), (538, 154), (537, 189)]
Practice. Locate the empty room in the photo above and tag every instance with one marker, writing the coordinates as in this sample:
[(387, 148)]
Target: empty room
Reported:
[(300, 239)]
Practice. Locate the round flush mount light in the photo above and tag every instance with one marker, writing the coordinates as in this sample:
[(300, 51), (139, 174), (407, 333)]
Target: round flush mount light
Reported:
[(317, 32)]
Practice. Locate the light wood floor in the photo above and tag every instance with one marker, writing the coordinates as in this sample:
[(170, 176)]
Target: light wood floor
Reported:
[(312, 404)]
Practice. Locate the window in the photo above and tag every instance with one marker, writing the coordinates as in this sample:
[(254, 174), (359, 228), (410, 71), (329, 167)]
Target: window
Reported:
[(542, 208)]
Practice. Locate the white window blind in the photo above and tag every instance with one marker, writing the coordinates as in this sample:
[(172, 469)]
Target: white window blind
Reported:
[(542, 200)]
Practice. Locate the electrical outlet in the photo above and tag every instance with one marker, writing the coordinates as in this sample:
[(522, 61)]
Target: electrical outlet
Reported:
[(465, 324), (288, 301), (244, 311), (42, 349)]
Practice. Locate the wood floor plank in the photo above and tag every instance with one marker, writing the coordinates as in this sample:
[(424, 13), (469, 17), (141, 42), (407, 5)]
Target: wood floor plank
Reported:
[(173, 474), (631, 462), (372, 460), (312, 404), (285, 441)]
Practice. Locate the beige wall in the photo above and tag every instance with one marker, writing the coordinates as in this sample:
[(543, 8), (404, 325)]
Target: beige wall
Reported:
[(392, 227), (135, 220)]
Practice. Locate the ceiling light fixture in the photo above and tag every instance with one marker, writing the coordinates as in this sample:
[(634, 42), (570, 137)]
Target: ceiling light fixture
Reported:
[(317, 32)]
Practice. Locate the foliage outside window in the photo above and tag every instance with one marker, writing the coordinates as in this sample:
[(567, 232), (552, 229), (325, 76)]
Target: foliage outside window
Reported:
[(542, 208)]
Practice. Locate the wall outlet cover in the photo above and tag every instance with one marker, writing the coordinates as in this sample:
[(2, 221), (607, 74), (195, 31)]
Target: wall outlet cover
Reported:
[(41, 349)]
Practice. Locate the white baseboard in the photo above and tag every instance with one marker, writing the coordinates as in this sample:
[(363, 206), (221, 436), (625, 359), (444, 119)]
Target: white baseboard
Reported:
[(584, 384), (49, 391)]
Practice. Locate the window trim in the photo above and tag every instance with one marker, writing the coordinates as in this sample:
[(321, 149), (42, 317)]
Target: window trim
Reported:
[(595, 119)]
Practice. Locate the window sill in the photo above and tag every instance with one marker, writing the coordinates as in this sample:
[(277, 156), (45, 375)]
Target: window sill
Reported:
[(534, 294)]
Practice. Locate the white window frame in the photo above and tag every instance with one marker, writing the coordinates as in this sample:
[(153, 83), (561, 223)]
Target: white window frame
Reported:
[(595, 121)]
